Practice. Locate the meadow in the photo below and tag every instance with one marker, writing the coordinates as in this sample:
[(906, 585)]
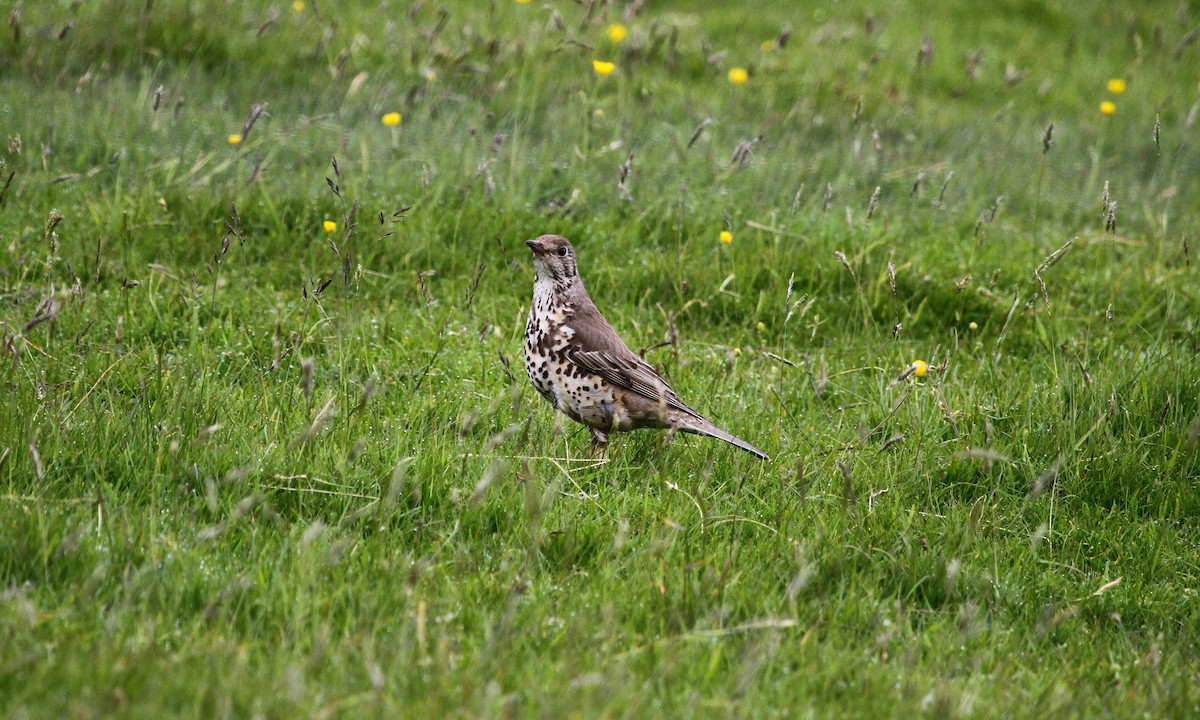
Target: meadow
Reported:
[(266, 444)]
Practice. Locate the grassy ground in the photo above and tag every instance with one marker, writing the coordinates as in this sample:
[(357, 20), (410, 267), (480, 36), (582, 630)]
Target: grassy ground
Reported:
[(251, 468)]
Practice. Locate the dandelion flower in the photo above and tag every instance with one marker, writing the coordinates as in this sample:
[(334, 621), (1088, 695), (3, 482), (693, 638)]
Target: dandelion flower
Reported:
[(617, 32), (738, 76), (298, 6), (919, 368), (524, 2), (973, 325), (391, 119), (329, 226), (1116, 86), (235, 139), (760, 326), (603, 68), (737, 351), (1108, 107), (726, 237)]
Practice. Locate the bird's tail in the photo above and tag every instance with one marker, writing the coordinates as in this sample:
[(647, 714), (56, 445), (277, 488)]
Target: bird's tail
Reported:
[(700, 426)]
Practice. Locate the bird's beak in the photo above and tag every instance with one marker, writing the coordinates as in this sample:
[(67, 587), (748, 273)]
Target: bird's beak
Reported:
[(536, 246)]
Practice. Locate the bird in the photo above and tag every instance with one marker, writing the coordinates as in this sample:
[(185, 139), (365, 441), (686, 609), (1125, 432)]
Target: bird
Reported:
[(578, 363)]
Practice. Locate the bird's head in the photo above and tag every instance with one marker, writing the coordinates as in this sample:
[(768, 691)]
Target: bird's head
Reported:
[(553, 258)]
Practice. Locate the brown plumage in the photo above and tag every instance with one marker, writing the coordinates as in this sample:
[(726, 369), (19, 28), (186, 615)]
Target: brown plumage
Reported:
[(580, 365)]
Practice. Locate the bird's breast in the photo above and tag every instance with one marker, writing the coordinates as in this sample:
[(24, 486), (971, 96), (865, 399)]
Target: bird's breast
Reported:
[(547, 335)]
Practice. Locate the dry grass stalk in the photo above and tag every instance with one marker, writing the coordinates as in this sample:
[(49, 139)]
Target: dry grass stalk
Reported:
[(425, 292), (1007, 319), (945, 184), (841, 256), (848, 494), (255, 113), (1046, 480), (318, 422), (741, 154), (626, 168), (796, 200), (14, 22), (925, 52), (7, 183), (974, 63), (1052, 259), (46, 310), (1045, 292), (908, 371), (38, 468), (698, 132), (916, 186), (270, 22), (1187, 40), (307, 371), (258, 168)]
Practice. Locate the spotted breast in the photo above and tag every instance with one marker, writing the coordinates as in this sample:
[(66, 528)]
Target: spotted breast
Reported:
[(581, 396)]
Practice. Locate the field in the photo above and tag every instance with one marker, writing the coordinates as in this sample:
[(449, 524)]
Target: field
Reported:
[(267, 448)]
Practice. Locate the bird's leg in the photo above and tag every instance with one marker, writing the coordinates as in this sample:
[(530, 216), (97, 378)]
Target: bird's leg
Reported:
[(599, 442)]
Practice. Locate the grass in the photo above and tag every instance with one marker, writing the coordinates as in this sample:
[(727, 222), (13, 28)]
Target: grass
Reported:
[(249, 468)]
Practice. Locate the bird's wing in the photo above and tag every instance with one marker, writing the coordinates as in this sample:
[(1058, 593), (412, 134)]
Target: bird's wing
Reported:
[(596, 348)]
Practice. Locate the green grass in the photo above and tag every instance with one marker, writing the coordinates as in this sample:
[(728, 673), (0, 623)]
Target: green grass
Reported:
[(186, 531)]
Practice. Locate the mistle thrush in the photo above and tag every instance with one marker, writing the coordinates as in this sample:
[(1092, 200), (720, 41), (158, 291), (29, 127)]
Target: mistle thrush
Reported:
[(578, 363)]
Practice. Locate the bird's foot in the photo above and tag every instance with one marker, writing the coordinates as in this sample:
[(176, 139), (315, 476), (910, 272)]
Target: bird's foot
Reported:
[(599, 444)]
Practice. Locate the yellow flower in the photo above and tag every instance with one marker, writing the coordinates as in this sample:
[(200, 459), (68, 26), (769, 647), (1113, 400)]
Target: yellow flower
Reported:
[(726, 237), (235, 139), (429, 74), (329, 226), (919, 368), (603, 68), (298, 6), (523, 2), (737, 351), (1108, 107), (1116, 86), (760, 326), (738, 76), (617, 32), (391, 119), (973, 325)]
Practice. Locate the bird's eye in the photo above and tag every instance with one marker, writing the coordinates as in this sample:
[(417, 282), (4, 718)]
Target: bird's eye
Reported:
[(562, 252)]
